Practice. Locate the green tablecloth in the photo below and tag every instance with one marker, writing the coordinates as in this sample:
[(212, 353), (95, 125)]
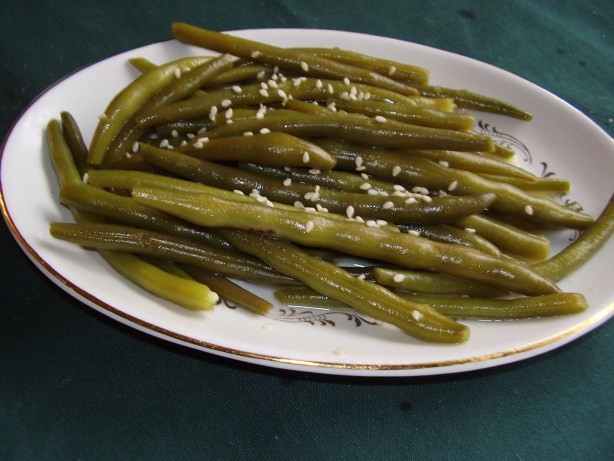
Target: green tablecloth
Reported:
[(75, 385)]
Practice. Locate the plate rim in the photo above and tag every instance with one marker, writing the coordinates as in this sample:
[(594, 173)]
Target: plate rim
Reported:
[(493, 359)]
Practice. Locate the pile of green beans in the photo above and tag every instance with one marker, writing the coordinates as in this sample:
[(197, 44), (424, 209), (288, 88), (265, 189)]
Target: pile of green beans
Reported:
[(273, 165)]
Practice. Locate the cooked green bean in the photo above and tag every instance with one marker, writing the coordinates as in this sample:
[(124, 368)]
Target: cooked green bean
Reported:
[(128, 101), (275, 149), (508, 237), (449, 234), (430, 283), (385, 164), (389, 208), (408, 114), (580, 251), (351, 237), (284, 58), (459, 307), (393, 69), (366, 297), (470, 100), (163, 246), (61, 156), (230, 291), (532, 186)]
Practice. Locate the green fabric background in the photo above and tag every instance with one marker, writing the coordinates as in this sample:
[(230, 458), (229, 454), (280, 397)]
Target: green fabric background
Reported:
[(75, 385)]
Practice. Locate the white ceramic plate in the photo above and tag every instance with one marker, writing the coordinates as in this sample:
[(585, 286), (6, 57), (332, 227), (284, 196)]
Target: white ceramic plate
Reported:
[(560, 140)]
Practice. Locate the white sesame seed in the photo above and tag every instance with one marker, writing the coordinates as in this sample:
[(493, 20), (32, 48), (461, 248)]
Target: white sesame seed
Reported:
[(305, 157), (398, 278), (358, 160), (198, 145), (381, 222), (264, 131), (261, 199), (282, 94), (164, 143), (203, 139), (396, 170), (392, 70), (413, 232), (248, 133), (177, 73), (365, 186), (226, 103), (202, 130), (304, 66), (237, 89), (135, 147), (380, 119), (427, 198), (528, 210), (410, 200), (264, 93), (387, 205), (287, 181), (273, 84), (268, 203), (359, 219), (349, 211), (309, 226), (298, 204), (329, 88), (228, 114), (174, 133), (353, 91), (346, 81), (318, 83), (86, 176), (238, 192), (260, 75), (213, 113), (372, 192), (471, 230), (361, 276), (443, 163), (255, 54), (183, 143), (190, 135), (371, 223), (417, 315), (453, 185), (314, 171)]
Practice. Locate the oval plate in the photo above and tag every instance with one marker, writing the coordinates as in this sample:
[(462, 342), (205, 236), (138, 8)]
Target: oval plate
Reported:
[(560, 140)]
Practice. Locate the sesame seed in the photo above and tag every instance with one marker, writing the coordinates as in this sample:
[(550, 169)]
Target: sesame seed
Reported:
[(298, 204), (305, 157), (392, 70), (260, 75), (314, 171), (177, 73), (410, 200), (358, 160), (174, 133), (304, 66), (471, 230), (359, 219), (321, 209), (237, 89), (346, 81), (318, 83), (213, 113), (264, 93), (228, 113), (387, 205), (398, 278), (226, 103), (309, 226), (268, 203), (427, 198), (349, 211), (135, 147), (372, 192), (273, 84), (396, 170), (361, 276), (452, 185), (164, 143), (198, 145), (183, 143), (381, 222), (443, 163), (528, 210), (264, 131), (203, 139), (330, 89), (417, 315), (255, 54), (202, 130), (238, 192), (371, 223), (287, 181), (248, 133), (413, 232), (282, 94), (261, 199), (190, 135), (380, 119), (365, 186), (353, 91), (86, 176)]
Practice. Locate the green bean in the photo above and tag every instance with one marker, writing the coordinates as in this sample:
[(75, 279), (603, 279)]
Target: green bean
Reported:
[(351, 237), (366, 297), (393, 69), (429, 283), (300, 88), (407, 114), (187, 293), (402, 169), (61, 156), (459, 307), (284, 58), (142, 64), (474, 162), (275, 149), (364, 131), (532, 186), (336, 180), (449, 234), (75, 142), (470, 100), (390, 208), (179, 88), (582, 249), (158, 245), (230, 291), (126, 211), (508, 237), (127, 102)]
